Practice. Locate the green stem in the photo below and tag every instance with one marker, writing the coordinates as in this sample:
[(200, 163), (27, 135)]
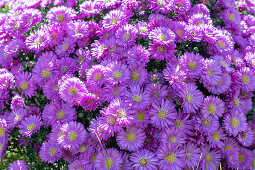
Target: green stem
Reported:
[(103, 151)]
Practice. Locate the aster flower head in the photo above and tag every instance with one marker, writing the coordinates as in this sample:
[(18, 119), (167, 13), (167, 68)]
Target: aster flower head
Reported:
[(65, 65), (131, 139), (224, 42), (89, 101), (162, 35), (137, 97), (126, 35), (18, 165), (192, 98), (17, 102), (173, 135), (16, 117), (213, 106), (30, 125), (170, 157), (162, 114), (96, 75), (162, 51), (3, 130), (163, 6), (61, 14), (25, 84), (235, 122), (54, 32), (211, 157), (207, 124), (37, 41), (66, 47), (50, 89), (144, 159), (138, 56), (222, 85), (192, 155), (90, 8), (113, 161), (112, 92), (157, 91), (50, 151), (74, 134), (58, 111), (114, 19), (181, 6), (77, 30), (143, 29), (247, 77), (211, 73), (246, 138), (216, 139), (138, 75), (117, 73), (71, 89)]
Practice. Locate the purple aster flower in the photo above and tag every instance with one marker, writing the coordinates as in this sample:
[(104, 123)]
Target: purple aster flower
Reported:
[(71, 89), (117, 73), (16, 117), (179, 28), (58, 111), (37, 41), (247, 79), (109, 4), (50, 152), (114, 19), (162, 51), (138, 56), (77, 164), (26, 84), (230, 144), (212, 72), (194, 33), (224, 42), (211, 158), (74, 134), (163, 6), (138, 75), (244, 158), (96, 75), (3, 130), (200, 9), (191, 63), (172, 135), (183, 123), (123, 112), (18, 165), (192, 98), (143, 29), (50, 89), (207, 124), (181, 6), (29, 17), (65, 65), (111, 92), (162, 35), (235, 122), (170, 157), (54, 32), (42, 71), (66, 47), (192, 155), (216, 139), (162, 114), (96, 128), (156, 91), (131, 139), (138, 98), (222, 85), (30, 125), (61, 14), (141, 118), (231, 16), (213, 106), (3, 147), (90, 8), (17, 102), (77, 29), (246, 138), (200, 20), (126, 35), (89, 101), (113, 161), (144, 159), (13, 47)]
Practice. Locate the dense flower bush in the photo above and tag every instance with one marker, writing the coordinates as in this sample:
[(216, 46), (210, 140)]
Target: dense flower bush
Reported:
[(127, 84)]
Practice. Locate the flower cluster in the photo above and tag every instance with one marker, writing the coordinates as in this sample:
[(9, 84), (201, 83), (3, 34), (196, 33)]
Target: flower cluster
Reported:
[(166, 84)]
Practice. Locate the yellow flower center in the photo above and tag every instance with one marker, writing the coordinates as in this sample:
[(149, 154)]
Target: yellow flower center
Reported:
[(73, 91), (137, 98), (170, 157), (110, 163), (162, 114), (61, 134), (55, 87), (221, 44), (130, 137), (231, 17), (64, 48), (117, 75), (189, 98), (53, 151), (111, 120), (72, 136), (31, 127), (243, 135), (64, 69), (161, 49), (240, 158), (126, 37), (178, 124), (188, 155), (114, 21), (179, 5), (245, 79), (45, 73), (143, 29), (1, 131), (216, 136), (121, 112), (61, 18), (98, 76), (61, 114), (223, 63), (116, 91), (162, 37), (161, 3), (179, 32), (209, 72), (192, 65), (17, 118), (83, 148), (235, 102), (140, 116), (208, 157), (172, 139), (23, 85), (211, 108), (235, 122), (143, 161), (135, 76), (38, 40), (205, 122), (228, 147), (90, 102)]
